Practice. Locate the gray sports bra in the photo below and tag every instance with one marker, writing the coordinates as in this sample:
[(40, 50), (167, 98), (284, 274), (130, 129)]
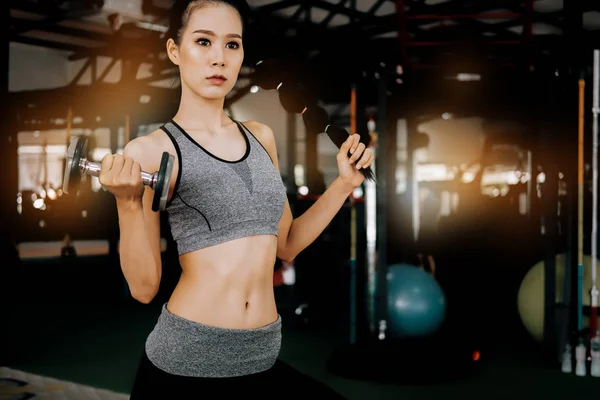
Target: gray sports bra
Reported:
[(216, 200)]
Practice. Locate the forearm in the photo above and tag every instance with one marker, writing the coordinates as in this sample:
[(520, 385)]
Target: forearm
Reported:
[(138, 262), (306, 228)]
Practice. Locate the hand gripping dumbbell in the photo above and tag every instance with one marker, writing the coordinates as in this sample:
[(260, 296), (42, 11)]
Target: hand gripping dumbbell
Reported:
[(77, 166)]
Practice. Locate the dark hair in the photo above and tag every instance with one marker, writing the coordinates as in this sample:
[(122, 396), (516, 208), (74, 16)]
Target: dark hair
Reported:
[(181, 11)]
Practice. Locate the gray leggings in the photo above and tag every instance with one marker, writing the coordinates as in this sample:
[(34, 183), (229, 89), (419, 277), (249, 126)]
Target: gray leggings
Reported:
[(187, 348), (186, 360)]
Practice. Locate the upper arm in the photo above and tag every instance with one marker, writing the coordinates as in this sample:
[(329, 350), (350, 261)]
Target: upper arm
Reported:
[(266, 137), (147, 154)]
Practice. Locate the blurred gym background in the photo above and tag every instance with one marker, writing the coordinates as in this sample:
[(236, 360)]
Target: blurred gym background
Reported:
[(465, 271)]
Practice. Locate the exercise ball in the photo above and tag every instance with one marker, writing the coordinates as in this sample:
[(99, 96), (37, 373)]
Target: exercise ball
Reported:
[(416, 302), (530, 301)]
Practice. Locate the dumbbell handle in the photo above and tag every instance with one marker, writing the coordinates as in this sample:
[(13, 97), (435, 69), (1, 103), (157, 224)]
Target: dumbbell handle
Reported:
[(93, 169)]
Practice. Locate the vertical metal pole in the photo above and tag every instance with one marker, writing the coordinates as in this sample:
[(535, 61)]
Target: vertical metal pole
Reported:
[(414, 190), (9, 165), (595, 110), (530, 181), (548, 221), (580, 184), (311, 164), (291, 152), (9, 150), (353, 293), (572, 61), (568, 284), (353, 128), (371, 236), (382, 202)]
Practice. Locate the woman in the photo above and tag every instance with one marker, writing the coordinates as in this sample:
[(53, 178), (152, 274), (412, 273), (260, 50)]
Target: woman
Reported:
[(229, 217)]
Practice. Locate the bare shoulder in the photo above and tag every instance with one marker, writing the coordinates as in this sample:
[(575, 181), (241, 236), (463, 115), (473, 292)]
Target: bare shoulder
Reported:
[(266, 137), (263, 132), (260, 130), (147, 150)]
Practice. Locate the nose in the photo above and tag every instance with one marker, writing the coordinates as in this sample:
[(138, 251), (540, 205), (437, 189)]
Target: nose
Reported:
[(218, 57)]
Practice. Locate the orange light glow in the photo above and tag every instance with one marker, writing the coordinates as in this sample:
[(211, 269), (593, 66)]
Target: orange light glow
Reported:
[(476, 355)]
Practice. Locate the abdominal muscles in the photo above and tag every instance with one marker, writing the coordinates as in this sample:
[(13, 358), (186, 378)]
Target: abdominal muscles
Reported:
[(229, 285)]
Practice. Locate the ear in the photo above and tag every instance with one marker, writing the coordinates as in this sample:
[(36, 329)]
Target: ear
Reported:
[(173, 51)]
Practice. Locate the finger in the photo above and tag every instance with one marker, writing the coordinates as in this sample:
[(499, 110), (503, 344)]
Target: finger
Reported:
[(345, 148), (355, 142), (117, 165), (366, 160), (360, 147), (106, 163), (105, 166), (371, 160), (127, 166), (118, 160), (136, 172)]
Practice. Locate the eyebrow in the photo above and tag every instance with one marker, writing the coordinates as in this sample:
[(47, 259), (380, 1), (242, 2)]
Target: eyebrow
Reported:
[(206, 32)]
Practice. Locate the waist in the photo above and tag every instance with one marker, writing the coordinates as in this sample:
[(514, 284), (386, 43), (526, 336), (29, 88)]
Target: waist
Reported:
[(227, 309), (230, 285), (182, 347)]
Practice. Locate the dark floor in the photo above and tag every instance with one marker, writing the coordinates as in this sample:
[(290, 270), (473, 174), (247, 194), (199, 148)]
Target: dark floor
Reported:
[(54, 330)]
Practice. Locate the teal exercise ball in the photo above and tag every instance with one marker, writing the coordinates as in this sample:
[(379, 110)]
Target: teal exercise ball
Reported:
[(416, 302)]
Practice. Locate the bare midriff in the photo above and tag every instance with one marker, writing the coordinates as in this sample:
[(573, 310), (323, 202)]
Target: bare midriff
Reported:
[(229, 285)]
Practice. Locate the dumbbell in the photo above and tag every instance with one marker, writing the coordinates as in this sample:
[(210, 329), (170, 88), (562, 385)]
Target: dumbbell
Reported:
[(77, 166), (316, 120)]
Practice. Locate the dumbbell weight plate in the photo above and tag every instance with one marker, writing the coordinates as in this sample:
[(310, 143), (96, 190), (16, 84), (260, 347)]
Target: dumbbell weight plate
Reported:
[(315, 119), (294, 97), (72, 175), (158, 181), (163, 180)]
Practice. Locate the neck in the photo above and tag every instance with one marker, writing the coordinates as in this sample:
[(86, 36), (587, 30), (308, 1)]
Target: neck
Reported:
[(196, 112)]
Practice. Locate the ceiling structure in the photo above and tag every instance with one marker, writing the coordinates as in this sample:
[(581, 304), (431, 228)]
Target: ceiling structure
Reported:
[(331, 43)]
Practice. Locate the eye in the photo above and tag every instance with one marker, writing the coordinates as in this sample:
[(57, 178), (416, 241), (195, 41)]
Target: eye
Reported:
[(203, 42), (233, 45)]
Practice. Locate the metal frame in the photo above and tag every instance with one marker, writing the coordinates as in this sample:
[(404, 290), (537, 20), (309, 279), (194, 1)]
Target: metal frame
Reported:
[(409, 37)]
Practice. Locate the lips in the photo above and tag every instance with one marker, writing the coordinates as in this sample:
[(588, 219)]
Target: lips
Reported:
[(217, 77)]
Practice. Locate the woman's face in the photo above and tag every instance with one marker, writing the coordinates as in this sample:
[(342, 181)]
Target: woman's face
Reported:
[(210, 54)]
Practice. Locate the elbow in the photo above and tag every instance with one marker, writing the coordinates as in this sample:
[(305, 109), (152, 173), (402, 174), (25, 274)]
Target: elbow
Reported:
[(286, 255), (285, 258), (144, 297), (145, 293)]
